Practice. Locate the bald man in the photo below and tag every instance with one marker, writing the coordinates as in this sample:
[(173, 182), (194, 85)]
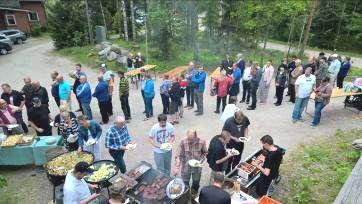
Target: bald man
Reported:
[(40, 92), (117, 138), (27, 90)]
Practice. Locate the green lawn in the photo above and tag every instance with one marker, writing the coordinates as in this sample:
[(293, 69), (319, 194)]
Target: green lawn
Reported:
[(316, 171)]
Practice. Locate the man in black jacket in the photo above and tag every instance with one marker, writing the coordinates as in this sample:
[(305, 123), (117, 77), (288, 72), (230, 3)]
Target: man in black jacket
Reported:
[(40, 92), (214, 194)]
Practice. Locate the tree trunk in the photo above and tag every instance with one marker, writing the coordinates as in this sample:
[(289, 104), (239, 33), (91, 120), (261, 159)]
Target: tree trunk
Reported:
[(339, 25), (266, 36), (119, 19), (104, 18), (307, 29), (90, 31), (290, 37), (125, 25), (194, 30), (133, 22)]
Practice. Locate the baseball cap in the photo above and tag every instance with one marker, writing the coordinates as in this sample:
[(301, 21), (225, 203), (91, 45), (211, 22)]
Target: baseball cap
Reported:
[(83, 167)]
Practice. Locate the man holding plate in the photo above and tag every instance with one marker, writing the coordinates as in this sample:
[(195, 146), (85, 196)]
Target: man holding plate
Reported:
[(161, 137), (190, 154), (238, 128), (89, 132)]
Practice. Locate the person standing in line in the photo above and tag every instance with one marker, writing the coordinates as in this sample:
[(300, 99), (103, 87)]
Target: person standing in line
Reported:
[(64, 92), (40, 92), (175, 96), (89, 133), (246, 83), (322, 97), (346, 65), (199, 80), (312, 62), (280, 81), (165, 86), (256, 74), (101, 93), (190, 147), (217, 157), (298, 71), (76, 76), (68, 129), (222, 85), (227, 64), (268, 72), (214, 193), (333, 69), (304, 86), (322, 71), (15, 98), (117, 138), (130, 62), (183, 84), (270, 168), (138, 61), (190, 89), (142, 79), (124, 95), (284, 64), (237, 126), (55, 87), (108, 76), (27, 91), (291, 67), (39, 118), (161, 133), (149, 92), (235, 87), (84, 95)]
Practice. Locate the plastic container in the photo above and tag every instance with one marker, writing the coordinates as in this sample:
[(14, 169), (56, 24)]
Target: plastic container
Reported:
[(266, 200)]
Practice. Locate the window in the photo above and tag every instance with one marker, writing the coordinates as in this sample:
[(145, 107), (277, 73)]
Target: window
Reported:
[(10, 19), (33, 16)]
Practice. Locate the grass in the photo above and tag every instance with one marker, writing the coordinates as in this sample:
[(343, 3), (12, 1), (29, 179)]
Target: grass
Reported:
[(315, 172)]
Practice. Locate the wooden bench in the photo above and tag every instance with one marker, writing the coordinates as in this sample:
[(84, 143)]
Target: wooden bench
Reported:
[(176, 72), (351, 192)]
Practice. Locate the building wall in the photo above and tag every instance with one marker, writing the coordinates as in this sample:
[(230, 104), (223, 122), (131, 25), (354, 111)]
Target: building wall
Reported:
[(36, 7), (22, 22)]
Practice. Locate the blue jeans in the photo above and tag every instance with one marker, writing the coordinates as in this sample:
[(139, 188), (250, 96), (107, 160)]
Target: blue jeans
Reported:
[(87, 110), (149, 107), (144, 99), (300, 104), (317, 112), (118, 159), (163, 161)]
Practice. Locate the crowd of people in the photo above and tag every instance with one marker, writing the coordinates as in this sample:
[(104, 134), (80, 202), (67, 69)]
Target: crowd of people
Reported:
[(81, 132)]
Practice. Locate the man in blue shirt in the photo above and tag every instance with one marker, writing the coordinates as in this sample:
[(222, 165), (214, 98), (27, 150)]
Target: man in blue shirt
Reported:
[(334, 69), (346, 65), (101, 93), (117, 138), (199, 81), (165, 86), (84, 96), (235, 87)]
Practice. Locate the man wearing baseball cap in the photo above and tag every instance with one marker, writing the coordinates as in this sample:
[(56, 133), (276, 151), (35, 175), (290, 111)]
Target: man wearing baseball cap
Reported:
[(76, 190), (39, 118)]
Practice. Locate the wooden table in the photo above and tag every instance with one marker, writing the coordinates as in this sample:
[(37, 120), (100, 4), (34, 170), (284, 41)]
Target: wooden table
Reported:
[(177, 71), (133, 73)]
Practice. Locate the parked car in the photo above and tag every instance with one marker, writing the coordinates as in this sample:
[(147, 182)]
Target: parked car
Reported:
[(5, 39), (5, 48), (16, 36)]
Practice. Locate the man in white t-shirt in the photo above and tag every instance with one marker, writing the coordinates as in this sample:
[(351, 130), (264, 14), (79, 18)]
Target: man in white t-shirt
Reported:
[(161, 133), (76, 190), (304, 86)]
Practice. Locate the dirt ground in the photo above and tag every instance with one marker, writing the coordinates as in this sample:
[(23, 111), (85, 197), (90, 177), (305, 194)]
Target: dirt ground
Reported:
[(36, 59)]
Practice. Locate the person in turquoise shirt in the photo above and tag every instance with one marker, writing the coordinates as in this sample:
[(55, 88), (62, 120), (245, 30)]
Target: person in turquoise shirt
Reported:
[(199, 81), (64, 90), (149, 92)]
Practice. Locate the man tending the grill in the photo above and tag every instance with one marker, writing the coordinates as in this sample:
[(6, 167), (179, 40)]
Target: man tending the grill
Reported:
[(76, 190), (270, 168)]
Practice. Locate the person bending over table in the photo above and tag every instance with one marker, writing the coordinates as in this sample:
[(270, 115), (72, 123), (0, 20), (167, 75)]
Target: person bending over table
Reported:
[(117, 137), (76, 190), (217, 157), (214, 194), (89, 133), (191, 147), (39, 118), (238, 128), (270, 168)]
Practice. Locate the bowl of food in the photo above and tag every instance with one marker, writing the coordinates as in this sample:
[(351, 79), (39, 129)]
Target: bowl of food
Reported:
[(50, 141), (175, 188), (233, 151), (194, 163), (102, 171)]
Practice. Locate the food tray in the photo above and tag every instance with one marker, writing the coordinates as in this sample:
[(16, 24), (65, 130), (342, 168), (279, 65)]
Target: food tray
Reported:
[(111, 168), (139, 170), (30, 141), (122, 182), (11, 141)]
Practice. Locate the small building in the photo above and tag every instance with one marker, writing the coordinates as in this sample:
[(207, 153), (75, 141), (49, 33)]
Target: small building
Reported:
[(22, 14)]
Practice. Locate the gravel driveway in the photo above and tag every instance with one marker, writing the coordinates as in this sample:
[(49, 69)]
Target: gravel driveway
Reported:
[(36, 59)]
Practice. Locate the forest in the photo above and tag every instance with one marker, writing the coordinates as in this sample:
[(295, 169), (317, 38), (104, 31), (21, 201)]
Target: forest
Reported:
[(210, 26)]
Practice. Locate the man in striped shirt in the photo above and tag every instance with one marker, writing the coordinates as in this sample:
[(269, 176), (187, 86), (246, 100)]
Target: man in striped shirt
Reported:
[(117, 138), (123, 95)]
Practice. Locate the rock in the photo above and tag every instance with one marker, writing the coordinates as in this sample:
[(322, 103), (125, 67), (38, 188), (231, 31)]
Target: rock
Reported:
[(106, 44), (115, 48), (357, 144), (125, 52), (122, 60), (99, 47), (112, 56), (105, 51)]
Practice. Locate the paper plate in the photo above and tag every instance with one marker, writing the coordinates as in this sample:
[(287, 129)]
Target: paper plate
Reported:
[(194, 163)]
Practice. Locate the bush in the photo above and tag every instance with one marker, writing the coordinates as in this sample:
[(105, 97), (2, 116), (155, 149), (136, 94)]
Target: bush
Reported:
[(2, 182), (35, 30)]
